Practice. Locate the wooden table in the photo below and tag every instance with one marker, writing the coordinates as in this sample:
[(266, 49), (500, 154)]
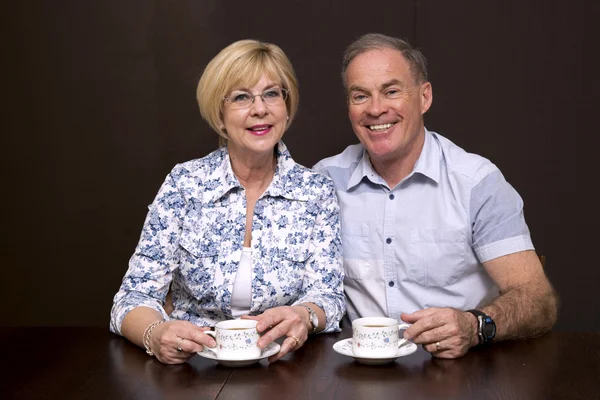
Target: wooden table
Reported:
[(92, 363)]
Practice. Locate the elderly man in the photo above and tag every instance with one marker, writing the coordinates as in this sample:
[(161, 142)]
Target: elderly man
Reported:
[(431, 234)]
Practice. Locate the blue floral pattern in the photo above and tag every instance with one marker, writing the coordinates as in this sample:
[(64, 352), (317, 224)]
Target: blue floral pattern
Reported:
[(192, 241), (381, 339)]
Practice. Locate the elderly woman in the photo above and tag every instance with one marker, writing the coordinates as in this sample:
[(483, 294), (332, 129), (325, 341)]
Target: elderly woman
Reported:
[(243, 232)]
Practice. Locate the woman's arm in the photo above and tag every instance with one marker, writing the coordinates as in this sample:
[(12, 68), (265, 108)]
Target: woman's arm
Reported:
[(322, 289), (147, 280), (136, 322), (323, 280)]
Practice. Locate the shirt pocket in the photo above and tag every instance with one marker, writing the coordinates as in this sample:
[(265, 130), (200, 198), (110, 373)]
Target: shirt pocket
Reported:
[(298, 253), (437, 256), (280, 273), (197, 264), (357, 250)]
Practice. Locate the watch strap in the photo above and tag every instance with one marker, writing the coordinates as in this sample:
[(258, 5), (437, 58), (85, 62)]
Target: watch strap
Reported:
[(482, 320)]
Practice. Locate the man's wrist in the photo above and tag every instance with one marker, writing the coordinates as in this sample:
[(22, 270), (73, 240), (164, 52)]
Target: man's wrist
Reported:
[(486, 327), (474, 328)]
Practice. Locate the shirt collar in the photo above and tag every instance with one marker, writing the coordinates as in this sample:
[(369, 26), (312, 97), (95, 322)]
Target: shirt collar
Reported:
[(364, 169), (428, 164), (222, 179), (288, 181), (283, 183)]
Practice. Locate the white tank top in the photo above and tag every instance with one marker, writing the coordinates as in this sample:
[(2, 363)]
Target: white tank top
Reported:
[(241, 296)]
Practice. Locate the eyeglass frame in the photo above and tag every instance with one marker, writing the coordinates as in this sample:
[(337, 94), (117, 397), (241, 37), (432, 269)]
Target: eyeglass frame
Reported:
[(285, 93)]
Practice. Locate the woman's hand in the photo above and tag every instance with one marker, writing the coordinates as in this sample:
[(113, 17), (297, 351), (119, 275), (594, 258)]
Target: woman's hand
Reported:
[(168, 338), (282, 321)]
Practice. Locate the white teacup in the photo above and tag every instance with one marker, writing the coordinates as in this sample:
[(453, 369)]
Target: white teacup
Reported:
[(236, 340), (376, 337)]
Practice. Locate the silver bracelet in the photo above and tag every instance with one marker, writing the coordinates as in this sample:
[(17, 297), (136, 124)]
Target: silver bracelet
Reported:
[(148, 335)]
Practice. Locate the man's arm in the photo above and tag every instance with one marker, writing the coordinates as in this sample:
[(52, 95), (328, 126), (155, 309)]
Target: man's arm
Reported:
[(527, 305)]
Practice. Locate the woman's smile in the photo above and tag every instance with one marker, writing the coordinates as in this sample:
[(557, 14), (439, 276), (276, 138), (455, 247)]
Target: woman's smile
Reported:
[(260, 130)]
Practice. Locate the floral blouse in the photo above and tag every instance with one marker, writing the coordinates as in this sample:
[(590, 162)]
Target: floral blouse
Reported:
[(193, 237)]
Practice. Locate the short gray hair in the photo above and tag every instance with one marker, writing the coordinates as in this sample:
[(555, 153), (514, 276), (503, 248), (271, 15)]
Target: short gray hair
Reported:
[(371, 41)]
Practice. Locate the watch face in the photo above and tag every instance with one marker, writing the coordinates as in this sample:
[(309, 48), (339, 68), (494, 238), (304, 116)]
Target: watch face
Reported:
[(489, 328), (314, 320)]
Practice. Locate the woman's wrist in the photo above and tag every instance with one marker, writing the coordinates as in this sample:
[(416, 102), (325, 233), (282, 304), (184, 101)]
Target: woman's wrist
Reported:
[(312, 319), (147, 337), (303, 313)]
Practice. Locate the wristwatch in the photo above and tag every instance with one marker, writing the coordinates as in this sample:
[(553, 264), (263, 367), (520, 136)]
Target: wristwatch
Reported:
[(312, 317), (486, 327)]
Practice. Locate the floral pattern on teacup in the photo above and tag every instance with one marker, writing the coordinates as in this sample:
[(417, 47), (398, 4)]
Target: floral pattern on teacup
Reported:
[(380, 339), (242, 340)]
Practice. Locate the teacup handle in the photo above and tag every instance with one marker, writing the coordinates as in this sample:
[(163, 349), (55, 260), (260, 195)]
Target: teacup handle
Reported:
[(401, 340), (214, 336)]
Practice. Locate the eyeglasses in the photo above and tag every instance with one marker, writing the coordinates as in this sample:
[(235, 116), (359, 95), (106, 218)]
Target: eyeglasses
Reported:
[(359, 97), (271, 97)]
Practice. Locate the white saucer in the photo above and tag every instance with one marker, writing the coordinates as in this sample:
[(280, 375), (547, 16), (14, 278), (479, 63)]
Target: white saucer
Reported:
[(272, 348), (344, 347)]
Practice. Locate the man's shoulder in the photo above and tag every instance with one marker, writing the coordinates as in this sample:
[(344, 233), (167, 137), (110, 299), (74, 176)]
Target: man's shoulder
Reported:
[(350, 156), (341, 166), (461, 162)]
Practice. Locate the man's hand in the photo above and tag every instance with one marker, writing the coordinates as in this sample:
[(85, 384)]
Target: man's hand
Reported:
[(443, 332)]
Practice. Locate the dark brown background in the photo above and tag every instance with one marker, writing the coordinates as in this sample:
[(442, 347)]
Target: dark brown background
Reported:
[(99, 104)]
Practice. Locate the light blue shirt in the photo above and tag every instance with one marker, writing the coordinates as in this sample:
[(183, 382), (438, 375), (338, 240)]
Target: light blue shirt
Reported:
[(421, 243)]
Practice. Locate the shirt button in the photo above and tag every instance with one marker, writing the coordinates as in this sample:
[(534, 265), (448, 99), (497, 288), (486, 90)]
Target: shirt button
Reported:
[(391, 283), (392, 197), (388, 240)]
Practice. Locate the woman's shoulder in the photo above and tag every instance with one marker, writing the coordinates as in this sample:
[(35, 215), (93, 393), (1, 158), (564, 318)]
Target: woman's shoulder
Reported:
[(200, 167), (307, 184), (298, 172), (310, 175)]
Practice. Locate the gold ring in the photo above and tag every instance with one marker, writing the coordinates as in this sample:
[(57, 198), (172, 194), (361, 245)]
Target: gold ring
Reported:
[(179, 345), (296, 339), (437, 346)]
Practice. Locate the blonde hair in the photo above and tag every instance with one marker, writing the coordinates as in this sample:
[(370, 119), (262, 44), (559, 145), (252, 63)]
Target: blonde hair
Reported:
[(242, 64)]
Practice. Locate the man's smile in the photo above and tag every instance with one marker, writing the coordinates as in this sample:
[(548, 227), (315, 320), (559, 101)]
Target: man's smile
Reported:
[(380, 127)]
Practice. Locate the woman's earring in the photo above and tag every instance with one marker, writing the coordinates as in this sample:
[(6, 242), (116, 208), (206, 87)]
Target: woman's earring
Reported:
[(288, 117)]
